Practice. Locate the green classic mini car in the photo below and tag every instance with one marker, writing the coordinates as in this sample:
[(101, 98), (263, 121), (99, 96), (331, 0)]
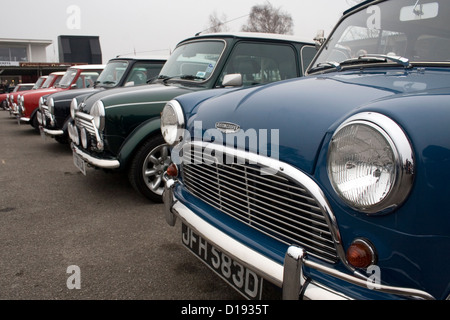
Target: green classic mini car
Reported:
[(119, 129)]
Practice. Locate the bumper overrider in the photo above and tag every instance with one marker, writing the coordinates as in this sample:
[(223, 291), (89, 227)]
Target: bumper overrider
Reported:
[(289, 276), (84, 134), (46, 122)]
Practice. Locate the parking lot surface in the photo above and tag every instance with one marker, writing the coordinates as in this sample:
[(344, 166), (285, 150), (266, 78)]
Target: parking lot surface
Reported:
[(67, 236)]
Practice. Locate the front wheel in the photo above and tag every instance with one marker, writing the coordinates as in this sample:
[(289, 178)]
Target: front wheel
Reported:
[(146, 173)]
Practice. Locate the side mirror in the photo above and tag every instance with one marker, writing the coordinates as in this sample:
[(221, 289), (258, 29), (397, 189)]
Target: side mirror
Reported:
[(232, 80), (129, 84), (320, 38)]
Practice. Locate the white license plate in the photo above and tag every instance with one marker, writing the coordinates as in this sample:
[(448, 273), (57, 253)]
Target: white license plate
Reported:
[(247, 282), (42, 133), (79, 163)]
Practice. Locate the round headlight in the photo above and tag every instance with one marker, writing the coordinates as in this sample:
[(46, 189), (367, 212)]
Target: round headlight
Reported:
[(51, 105), (73, 107), (172, 122), (370, 163), (73, 134), (98, 112), (84, 138)]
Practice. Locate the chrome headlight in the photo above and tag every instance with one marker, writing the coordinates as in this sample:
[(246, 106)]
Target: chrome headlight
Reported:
[(73, 107), (21, 103), (172, 122), (371, 163), (50, 105), (98, 112)]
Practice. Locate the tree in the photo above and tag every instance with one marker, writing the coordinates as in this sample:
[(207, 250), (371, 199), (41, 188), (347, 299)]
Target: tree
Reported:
[(266, 18), (216, 24)]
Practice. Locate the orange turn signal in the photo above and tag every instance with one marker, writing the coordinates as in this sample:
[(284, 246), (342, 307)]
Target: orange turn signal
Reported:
[(361, 254), (172, 171)]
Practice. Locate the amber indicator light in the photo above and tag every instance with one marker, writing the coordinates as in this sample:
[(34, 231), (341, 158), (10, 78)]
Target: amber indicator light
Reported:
[(172, 170), (361, 254)]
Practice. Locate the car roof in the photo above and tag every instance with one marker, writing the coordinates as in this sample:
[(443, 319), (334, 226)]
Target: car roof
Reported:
[(141, 57), (88, 66), (253, 35)]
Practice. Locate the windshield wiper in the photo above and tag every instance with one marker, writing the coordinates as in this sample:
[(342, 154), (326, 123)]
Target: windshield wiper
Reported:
[(326, 65), (182, 77), (368, 58), (378, 58)]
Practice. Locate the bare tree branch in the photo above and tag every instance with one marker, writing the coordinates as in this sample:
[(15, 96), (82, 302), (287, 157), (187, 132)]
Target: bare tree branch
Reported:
[(266, 18), (217, 24)]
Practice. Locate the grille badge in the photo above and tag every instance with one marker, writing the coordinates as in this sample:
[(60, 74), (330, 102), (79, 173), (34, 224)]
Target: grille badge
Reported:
[(227, 127)]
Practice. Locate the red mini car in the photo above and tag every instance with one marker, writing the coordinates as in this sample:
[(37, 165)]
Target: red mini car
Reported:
[(50, 81), (82, 76), (18, 88)]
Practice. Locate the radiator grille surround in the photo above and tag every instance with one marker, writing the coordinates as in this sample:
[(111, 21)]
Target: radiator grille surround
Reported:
[(270, 196)]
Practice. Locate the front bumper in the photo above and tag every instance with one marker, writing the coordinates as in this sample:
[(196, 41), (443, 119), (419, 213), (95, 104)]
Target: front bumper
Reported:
[(290, 276), (46, 122), (96, 162)]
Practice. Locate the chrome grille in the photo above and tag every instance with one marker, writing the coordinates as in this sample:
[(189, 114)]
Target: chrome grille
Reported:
[(271, 203), (86, 121)]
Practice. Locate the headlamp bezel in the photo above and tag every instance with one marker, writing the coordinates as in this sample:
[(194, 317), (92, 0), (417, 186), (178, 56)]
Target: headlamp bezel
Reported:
[(167, 129), (404, 162)]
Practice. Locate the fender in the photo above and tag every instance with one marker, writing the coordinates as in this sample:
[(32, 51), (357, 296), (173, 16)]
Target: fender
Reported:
[(32, 115), (146, 129)]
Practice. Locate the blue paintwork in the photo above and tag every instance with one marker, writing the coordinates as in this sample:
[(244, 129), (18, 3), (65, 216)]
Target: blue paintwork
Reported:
[(413, 243)]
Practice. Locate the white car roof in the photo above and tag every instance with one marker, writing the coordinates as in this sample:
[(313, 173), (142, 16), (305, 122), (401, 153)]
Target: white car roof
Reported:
[(259, 35)]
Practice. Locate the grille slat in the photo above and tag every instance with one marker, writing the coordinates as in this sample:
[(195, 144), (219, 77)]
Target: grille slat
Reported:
[(275, 204), (84, 120)]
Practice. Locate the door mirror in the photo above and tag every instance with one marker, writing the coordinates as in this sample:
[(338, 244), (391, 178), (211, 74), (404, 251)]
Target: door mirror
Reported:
[(232, 80)]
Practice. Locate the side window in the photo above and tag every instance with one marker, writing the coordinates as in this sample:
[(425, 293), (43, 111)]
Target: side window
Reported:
[(142, 72), (307, 54), (87, 79), (261, 63)]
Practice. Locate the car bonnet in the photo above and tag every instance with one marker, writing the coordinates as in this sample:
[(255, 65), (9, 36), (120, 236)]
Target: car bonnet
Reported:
[(302, 111)]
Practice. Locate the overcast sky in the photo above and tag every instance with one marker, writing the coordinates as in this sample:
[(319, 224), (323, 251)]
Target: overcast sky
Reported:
[(149, 26)]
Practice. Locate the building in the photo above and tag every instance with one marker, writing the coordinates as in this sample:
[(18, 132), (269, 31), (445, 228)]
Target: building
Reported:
[(25, 60)]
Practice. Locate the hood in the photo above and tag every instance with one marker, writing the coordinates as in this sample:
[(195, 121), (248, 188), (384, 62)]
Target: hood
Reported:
[(34, 95), (136, 95), (303, 111), (70, 94)]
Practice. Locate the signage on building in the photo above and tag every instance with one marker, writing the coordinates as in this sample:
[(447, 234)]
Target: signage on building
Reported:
[(9, 63), (42, 65)]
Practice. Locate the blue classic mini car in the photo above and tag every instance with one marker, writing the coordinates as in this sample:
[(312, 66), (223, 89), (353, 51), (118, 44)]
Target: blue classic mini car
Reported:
[(333, 186)]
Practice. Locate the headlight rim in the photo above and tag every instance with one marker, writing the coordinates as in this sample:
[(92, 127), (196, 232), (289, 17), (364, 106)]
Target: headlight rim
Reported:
[(73, 107), (403, 156), (51, 105), (98, 112), (178, 111)]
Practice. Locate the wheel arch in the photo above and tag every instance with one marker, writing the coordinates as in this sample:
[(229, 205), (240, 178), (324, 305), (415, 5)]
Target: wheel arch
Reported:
[(137, 138)]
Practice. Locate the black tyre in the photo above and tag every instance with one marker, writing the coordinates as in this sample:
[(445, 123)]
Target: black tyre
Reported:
[(35, 123), (146, 172)]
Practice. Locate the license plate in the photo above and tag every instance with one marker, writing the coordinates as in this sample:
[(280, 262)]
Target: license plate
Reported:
[(42, 133), (79, 163), (244, 280)]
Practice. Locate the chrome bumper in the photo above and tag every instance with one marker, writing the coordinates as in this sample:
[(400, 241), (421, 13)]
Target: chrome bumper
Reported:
[(99, 163), (289, 276), (52, 132)]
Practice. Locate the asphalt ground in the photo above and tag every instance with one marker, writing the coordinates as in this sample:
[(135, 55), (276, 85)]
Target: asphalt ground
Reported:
[(52, 218)]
